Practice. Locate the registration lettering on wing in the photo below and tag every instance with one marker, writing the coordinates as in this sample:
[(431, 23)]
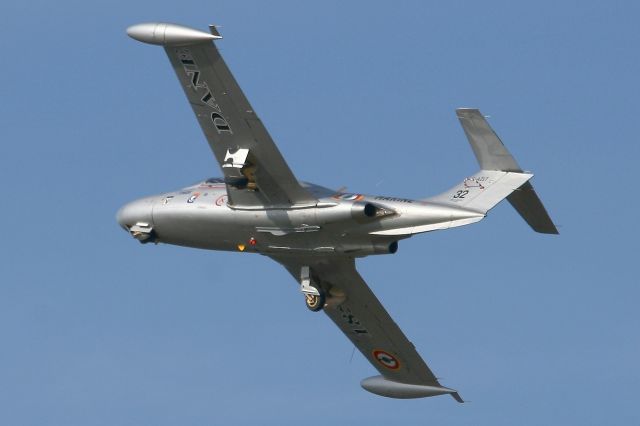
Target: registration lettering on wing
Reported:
[(193, 73)]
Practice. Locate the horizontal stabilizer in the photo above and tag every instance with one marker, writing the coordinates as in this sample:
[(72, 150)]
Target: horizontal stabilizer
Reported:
[(487, 146), (526, 202)]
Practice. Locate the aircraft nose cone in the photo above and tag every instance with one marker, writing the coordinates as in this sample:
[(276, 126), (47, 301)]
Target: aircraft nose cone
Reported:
[(139, 211)]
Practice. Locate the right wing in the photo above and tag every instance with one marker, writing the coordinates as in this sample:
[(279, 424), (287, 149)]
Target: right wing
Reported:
[(256, 174), (363, 319)]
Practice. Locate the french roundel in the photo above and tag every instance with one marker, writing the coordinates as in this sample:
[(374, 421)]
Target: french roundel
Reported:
[(350, 197), (386, 359)]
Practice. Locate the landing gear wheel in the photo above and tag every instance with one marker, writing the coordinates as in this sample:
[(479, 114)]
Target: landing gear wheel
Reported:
[(315, 303)]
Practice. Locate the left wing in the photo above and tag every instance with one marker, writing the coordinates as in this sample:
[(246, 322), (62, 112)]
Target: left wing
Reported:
[(354, 308), (256, 174)]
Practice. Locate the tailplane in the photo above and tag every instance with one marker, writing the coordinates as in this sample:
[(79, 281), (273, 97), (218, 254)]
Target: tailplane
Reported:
[(500, 177)]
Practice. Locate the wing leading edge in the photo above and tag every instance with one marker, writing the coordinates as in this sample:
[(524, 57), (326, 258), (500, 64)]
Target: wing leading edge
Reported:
[(363, 319), (256, 174)]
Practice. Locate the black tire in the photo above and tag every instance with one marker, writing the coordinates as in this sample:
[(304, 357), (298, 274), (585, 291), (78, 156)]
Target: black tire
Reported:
[(315, 303)]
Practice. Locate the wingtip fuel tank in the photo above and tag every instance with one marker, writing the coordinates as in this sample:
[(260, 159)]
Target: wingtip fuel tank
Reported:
[(166, 34), (392, 389)]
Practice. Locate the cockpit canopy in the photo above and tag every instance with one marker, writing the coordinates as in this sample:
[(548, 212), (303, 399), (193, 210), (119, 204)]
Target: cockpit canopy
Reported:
[(316, 190)]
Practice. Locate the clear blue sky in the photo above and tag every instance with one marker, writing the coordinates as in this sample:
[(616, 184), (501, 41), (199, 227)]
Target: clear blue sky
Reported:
[(96, 329)]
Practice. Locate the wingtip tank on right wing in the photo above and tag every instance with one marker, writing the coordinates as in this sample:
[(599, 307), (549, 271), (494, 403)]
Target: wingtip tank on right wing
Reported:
[(165, 34), (385, 387)]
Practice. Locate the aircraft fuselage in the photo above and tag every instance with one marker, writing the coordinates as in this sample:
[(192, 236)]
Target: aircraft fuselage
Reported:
[(200, 216)]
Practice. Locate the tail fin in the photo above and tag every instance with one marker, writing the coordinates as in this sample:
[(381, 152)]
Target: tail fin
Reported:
[(500, 177)]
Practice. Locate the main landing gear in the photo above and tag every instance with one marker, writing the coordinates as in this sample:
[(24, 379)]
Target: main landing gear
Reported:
[(315, 303), (314, 297)]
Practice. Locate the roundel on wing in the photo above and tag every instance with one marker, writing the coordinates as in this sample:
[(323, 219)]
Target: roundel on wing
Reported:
[(386, 359)]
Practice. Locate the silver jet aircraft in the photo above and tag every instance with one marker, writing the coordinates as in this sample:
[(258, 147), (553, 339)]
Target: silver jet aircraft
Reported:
[(259, 206)]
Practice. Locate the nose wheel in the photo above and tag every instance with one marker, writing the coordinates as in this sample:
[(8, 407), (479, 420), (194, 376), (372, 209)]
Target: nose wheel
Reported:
[(315, 302)]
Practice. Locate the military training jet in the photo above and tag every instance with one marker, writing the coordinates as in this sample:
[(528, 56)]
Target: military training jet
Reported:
[(259, 206)]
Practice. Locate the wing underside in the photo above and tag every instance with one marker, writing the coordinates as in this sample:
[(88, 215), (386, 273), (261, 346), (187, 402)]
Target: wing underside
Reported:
[(256, 174), (363, 319)]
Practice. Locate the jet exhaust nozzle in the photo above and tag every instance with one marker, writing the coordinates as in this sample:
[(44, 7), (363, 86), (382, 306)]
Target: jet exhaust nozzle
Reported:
[(367, 210), (356, 212)]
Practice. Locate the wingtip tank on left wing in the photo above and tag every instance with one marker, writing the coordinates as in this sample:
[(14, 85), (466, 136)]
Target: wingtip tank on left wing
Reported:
[(385, 387), (165, 34)]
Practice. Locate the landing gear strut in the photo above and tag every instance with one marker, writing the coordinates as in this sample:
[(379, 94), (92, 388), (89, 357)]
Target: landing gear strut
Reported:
[(314, 297)]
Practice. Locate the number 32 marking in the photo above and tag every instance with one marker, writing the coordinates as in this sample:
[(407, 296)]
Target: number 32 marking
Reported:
[(461, 194)]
